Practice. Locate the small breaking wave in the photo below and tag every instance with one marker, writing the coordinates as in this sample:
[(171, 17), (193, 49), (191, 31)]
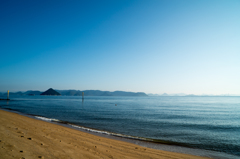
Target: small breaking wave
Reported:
[(46, 119), (92, 130), (109, 133)]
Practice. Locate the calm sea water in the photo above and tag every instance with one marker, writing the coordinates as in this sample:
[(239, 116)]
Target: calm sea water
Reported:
[(210, 123)]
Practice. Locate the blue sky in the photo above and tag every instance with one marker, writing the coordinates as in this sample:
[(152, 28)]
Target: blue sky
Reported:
[(153, 46)]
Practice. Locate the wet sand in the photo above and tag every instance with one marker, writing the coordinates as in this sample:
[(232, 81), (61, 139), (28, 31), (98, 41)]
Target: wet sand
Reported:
[(26, 138)]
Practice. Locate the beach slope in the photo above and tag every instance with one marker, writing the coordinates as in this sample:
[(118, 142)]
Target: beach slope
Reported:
[(27, 138)]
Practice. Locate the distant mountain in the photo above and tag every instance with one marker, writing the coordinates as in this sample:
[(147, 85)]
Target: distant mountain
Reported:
[(23, 93), (103, 93), (51, 92), (151, 94), (93, 93), (78, 93), (33, 93), (70, 92), (179, 94), (164, 94), (122, 93), (191, 95), (99, 93), (106, 93), (14, 93)]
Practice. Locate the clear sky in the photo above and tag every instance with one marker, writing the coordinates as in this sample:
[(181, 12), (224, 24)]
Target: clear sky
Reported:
[(151, 46)]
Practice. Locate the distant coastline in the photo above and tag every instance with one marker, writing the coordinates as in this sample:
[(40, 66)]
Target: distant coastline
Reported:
[(73, 92), (79, 93)]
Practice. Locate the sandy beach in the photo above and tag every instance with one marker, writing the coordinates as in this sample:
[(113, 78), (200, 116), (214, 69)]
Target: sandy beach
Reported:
[(26, 138)]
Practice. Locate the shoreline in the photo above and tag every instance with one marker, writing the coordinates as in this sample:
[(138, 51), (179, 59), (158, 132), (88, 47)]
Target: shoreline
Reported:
[(22, 136)]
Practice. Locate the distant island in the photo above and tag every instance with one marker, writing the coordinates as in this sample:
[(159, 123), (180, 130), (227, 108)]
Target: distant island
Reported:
[(50, 92), (76, 93)]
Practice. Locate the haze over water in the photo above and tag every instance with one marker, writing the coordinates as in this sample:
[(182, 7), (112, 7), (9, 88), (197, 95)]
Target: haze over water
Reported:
[(209, 123)]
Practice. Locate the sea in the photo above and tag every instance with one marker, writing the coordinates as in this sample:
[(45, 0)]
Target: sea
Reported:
[(205, 126)]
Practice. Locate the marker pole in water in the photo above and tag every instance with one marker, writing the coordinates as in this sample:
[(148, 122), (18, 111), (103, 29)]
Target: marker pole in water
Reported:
[(8, 94), (82, 95)]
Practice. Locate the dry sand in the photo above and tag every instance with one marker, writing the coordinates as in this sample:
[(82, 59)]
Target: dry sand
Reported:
[(26, 138)]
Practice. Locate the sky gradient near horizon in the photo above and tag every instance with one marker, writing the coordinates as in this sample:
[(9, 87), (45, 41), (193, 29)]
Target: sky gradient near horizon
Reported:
[(155, 46)]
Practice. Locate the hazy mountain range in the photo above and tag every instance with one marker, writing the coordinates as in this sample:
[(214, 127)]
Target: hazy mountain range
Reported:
[(105, 93), (79, 93)]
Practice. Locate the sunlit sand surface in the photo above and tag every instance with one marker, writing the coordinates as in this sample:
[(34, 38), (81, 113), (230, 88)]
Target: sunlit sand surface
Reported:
[(27, 138)]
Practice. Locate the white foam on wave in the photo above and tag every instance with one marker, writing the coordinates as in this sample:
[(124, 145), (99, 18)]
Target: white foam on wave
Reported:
[(91, 130), (106, 133), (45, 119)]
